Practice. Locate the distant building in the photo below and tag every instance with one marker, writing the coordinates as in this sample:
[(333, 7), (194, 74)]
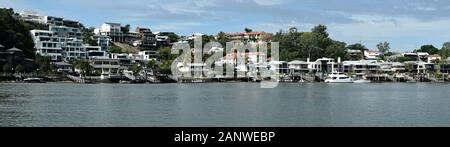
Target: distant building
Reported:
[(149, 55), (30, 16), (434, 58), (95, 52), (244, 36), (51, 20), (147, 40), (15, 57), (418, 56), (103, 41), (112, 30), (355, 55), (371, 55)]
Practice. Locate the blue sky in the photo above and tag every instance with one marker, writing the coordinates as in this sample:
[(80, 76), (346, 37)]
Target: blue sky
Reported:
[(406, 24)]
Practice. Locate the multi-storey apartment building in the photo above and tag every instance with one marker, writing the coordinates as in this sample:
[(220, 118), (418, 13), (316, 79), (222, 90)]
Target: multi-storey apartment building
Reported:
[(113, 30), (147, 39), (47, 43), (103, 41), (71, 40)]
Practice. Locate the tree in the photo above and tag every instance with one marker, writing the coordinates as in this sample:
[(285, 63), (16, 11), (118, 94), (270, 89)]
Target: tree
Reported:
[(153, 66), (430, 49), (136, 69), (7, 68), (383, 48), (445, 51), (126, 28), (43, 63), (173, 38), (88, 36), (115, 49), (19, 69), (84, 67), (357, 46), (222, 38), (248, 30), (16, 32)]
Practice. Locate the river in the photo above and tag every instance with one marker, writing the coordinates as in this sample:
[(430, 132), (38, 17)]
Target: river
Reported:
[(225, 105)]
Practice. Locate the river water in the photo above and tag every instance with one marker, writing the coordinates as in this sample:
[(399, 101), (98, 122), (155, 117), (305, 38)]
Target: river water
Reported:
[(225, 105)]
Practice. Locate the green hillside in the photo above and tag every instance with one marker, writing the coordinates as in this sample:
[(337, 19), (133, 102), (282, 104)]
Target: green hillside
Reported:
[(15, 32)]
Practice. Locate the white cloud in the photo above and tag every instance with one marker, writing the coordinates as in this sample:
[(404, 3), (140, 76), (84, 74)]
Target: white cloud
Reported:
[(268, 2), (371, 29)]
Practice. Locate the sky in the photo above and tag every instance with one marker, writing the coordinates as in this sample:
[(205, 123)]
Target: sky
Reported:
[(406, 24)]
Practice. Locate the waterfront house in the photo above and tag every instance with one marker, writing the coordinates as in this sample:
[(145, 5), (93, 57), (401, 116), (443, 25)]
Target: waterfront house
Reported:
[(63, 67), (195, 70), (280, 67), (107, 68), (297, 67), (391, 67), (324, 65), (419, 67), (361, 67)]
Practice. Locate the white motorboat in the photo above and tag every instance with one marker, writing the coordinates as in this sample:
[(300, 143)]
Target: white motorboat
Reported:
[(34, 80), (338, 78)]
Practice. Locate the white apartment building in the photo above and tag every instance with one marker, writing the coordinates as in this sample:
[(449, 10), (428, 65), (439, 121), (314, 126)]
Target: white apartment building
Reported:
[(71, 42), (103, 41), (47, 43), (371, 55), (94, 52), (113, 30), (51, 20), (72, 49), (149, 55), (31, 16)]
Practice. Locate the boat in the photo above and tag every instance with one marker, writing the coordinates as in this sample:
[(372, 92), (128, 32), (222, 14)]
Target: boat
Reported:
[(34, 80), (338, 78)]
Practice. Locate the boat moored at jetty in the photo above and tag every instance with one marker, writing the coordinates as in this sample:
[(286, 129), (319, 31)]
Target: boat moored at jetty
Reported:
[(337, 77), (34, 80)]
